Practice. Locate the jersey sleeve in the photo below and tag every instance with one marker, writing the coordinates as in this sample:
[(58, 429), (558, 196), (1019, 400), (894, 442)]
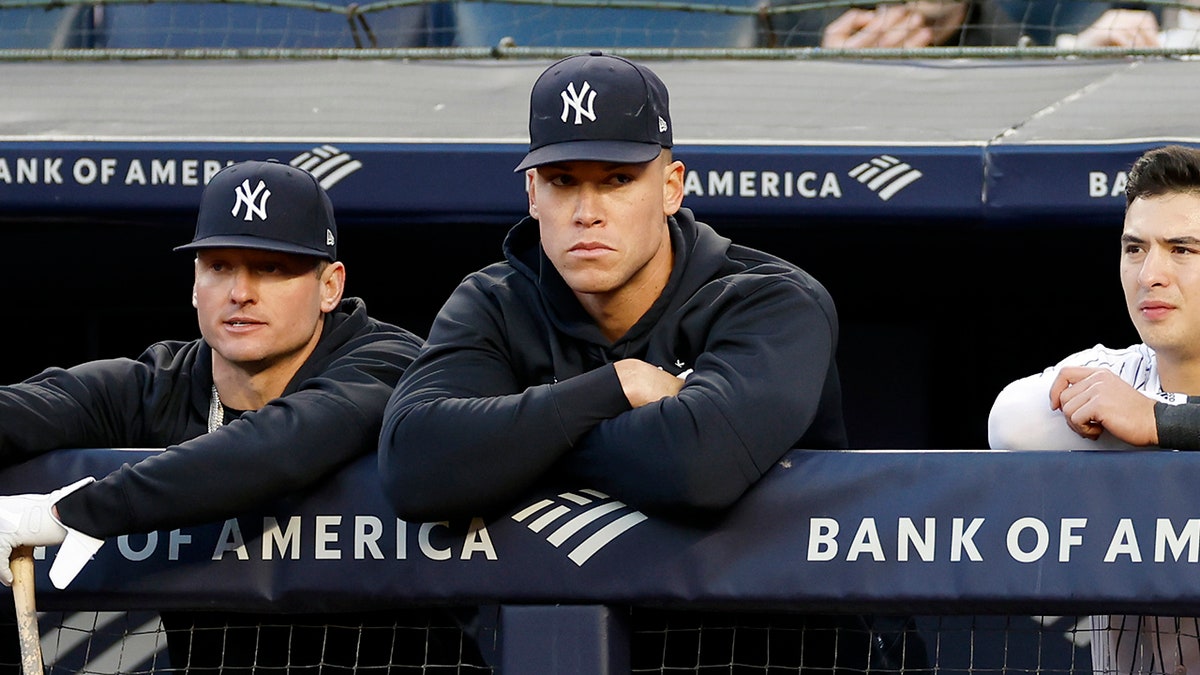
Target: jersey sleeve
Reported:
[(1021, 417), (463, 434)]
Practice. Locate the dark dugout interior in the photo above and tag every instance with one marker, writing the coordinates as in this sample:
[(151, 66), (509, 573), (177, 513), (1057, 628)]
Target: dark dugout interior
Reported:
[(935, 316)]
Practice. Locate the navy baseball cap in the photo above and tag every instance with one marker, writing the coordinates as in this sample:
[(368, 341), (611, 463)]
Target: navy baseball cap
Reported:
[(597, 107), (267, 206)]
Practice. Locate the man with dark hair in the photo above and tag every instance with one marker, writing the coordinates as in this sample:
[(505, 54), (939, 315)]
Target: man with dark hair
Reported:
[(1144, 395), (287, 385), (622, 345)]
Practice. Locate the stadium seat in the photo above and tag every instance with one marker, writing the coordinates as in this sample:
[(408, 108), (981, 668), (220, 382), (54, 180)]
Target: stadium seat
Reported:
[(237, 26), (45, 28), (487, 24)]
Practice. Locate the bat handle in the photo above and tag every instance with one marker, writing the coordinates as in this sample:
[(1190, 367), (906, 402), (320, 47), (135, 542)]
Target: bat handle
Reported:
[(21, 564)]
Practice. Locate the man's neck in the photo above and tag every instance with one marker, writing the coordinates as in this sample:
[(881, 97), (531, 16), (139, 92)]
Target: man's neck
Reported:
[(1179, 376), (616, 312), (243, 387), (242, 390), (614, 315)]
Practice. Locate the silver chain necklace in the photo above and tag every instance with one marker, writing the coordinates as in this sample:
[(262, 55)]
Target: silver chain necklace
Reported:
[(216, 412)]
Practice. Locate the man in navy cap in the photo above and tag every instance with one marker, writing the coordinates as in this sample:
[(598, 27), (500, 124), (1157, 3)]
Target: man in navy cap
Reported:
[(622, 345), (621, 339), (287, 384)]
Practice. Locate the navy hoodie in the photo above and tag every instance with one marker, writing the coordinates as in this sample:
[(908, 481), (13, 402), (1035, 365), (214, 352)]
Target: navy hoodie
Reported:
[(328, 414), (516, 381)]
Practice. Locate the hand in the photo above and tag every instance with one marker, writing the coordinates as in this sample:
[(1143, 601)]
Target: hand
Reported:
[(915, 24), (28, 520), (644, 383), (1121, 28), (1094, 400)]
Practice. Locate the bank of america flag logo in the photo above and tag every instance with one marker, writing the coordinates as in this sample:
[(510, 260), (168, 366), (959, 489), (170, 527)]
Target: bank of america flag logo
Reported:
[(328, 164), (582, 521), (885, 175)]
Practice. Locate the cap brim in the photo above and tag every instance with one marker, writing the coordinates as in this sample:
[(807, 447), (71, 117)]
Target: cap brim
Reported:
[(257, 243), (617, 152)]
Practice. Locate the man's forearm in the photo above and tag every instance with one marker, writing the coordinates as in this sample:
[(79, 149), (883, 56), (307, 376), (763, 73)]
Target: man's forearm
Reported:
[(446, 457)]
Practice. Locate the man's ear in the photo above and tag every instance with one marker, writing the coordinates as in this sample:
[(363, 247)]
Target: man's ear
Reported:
[(529, 192), (195, 274), (333, 284), (672, 187)]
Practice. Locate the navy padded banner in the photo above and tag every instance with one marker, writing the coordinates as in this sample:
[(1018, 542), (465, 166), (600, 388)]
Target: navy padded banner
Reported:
[(911, 531)]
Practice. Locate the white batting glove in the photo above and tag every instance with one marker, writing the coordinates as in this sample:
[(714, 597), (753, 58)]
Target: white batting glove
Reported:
[(27, 520)]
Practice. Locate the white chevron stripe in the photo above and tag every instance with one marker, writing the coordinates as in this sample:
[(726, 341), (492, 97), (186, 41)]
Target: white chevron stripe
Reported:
[(332, 179), (549, 517), (600, 539), (578, 499), (524, 513), (582, 520), (901, 183), (886, 176), (329, 164)]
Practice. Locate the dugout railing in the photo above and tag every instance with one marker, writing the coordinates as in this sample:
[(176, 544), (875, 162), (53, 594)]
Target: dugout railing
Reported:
[(934, 533)]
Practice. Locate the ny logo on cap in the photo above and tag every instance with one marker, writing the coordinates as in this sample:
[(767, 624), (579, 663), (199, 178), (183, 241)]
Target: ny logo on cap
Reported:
[(249, 197), (572, 100)]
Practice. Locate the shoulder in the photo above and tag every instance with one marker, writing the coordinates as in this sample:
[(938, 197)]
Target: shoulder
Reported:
[(497, 277), (499, 284), (353, 329), (170, 355), (1125, 361), (759, 276), (732, 276), (1099, 356), (161, 367), (742, 267)]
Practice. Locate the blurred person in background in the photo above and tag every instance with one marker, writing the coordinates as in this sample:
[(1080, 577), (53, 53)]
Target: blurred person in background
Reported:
[(1136, 26), (906, 25)]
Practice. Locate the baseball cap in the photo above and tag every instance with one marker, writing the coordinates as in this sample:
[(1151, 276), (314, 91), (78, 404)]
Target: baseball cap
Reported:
[(597, 107), (267, 206)]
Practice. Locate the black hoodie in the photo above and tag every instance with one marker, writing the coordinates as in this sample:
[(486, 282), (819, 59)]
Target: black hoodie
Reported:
[(328, 414), (516, 379)]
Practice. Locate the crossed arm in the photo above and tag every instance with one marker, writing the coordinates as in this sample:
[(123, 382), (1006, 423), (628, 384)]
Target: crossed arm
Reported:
[(1073, 408), (470, 429), (295, 440), (1095, 400)]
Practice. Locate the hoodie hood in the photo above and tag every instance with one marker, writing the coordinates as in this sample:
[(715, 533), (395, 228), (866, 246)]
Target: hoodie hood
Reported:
[(699, 255)]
